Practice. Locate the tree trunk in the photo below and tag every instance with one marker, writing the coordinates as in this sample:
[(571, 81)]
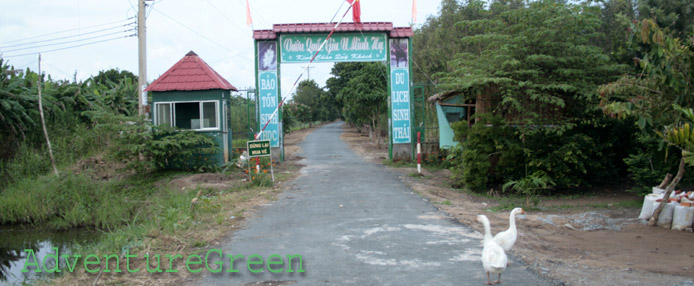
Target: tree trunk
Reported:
[(666, 198), (665, 181), (43, 123)]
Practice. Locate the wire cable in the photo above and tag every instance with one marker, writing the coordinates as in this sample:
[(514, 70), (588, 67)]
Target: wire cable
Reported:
[(70, 47), (201, 35), (245, 31), (320, 48), (67, 37), (66, 31), (69, 42)]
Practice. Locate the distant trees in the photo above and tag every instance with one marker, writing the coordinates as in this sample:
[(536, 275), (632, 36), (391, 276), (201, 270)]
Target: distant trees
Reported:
[(312, 103), (362, 89)]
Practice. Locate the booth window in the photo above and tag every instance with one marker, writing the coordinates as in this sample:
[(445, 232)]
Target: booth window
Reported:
[(196, 115)]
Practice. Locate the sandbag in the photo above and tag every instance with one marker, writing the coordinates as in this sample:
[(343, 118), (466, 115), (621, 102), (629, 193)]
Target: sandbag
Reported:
[(649, 206), (683, 217), (658, 191), (665, 218)]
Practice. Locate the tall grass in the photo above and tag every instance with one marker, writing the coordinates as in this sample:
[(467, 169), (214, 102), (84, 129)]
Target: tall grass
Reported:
[(71, 140)]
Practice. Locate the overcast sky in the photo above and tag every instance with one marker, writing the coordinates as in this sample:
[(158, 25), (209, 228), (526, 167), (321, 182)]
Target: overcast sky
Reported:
[(215, 29)]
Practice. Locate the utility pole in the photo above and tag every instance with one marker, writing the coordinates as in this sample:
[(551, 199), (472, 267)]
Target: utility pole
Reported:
[(142, 52), (308, 69)]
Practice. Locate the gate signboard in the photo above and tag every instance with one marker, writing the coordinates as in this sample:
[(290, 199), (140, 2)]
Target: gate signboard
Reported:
[(358, 47)]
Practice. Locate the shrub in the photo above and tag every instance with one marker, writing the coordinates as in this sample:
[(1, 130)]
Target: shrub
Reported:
[(145, 147), (587, 154)]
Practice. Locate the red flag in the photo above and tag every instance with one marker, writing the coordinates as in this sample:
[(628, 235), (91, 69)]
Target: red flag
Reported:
[(249, 20), (414, 11), (356, 11)]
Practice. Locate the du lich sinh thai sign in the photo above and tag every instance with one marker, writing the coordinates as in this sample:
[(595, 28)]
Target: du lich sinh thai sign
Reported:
[(348, 47)]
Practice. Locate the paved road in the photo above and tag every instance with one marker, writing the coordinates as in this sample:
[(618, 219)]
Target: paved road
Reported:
[(356, 223)]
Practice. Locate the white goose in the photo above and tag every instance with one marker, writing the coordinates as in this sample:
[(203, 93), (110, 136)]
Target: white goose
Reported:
[(507, 238), (494, 258)]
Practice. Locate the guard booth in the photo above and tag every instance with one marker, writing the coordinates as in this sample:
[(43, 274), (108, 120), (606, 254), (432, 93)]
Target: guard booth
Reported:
[(191, 95)]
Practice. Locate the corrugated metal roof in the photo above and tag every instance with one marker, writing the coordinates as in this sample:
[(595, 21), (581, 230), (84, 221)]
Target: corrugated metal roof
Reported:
[(190, 73), (400, 32)]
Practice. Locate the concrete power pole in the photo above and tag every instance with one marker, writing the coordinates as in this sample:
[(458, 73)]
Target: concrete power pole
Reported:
[(142, 52)]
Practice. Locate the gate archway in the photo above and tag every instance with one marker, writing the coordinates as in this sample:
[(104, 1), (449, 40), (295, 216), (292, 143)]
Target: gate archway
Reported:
[(350, 42)]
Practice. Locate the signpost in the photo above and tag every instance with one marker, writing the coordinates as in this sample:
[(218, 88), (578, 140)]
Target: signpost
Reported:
[(259, 148)]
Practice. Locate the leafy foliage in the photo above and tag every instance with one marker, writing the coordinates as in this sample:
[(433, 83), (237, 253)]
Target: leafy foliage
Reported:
[(664, 77), (530, 185), (362, 88), (538, 64), (314, 104), (145, 147)]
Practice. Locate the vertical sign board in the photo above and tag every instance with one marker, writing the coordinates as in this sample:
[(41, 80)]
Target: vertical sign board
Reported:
[(268, 91), (400, 91)]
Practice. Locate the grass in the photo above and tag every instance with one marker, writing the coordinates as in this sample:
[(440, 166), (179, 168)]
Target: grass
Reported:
[(400, 164), (445, 202), (164, 222), (300, 126), (239, 143)]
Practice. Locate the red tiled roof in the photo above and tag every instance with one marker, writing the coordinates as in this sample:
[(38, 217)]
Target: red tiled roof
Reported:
[(190, 73), (401, 32), (327, 27)]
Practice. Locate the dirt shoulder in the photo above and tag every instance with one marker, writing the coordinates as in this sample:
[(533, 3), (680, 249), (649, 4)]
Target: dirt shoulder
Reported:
[(588, 240)]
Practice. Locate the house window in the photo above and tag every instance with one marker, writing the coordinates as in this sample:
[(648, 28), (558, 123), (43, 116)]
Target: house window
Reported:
[(163, 114), (195, 115)]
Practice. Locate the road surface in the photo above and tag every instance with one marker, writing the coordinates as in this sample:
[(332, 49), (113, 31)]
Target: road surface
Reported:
[(355, 223)]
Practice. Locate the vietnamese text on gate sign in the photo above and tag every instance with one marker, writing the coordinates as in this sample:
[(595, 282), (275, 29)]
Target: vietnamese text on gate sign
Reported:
[(339, 48), (400, 100)]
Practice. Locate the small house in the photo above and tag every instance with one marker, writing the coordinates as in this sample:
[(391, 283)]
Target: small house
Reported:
[(452, 107), (191, 95)]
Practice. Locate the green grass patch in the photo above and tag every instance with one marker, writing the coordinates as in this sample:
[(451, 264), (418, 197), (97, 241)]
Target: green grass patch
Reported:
[(400, 164)]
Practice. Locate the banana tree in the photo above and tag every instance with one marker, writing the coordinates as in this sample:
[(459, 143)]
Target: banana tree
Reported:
[(681, 136)]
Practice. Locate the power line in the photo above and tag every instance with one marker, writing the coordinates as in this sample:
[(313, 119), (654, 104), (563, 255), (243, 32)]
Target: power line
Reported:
[(245, 31), (70, 47), (67, 37), (201, 35), (65, 31), (69, 42)]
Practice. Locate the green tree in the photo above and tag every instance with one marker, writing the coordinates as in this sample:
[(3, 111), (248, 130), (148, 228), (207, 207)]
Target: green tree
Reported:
[(663, 78), (677, 16), (309, 94), (540, 65)]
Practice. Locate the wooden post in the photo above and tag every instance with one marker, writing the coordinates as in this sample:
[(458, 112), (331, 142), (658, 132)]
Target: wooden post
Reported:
[(666, 198), (43, 123)]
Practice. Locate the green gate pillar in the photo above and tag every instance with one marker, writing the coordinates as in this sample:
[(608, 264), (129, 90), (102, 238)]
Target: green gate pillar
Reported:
[(400, 99)]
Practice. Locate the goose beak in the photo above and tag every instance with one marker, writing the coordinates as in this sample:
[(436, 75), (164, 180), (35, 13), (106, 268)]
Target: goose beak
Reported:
[(522, 211)]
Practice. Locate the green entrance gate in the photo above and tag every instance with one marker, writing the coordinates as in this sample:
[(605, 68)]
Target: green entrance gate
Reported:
[(351, 42)]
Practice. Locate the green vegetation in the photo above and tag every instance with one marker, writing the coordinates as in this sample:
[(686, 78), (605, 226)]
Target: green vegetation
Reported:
[(362, 90), (561, 93)]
